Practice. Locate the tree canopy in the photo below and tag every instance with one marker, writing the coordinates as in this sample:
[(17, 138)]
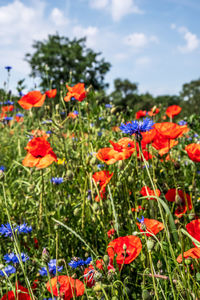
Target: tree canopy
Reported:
[(59, 59)]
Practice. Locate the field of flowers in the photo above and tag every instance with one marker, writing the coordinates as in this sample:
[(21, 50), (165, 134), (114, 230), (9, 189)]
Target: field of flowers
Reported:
[(96, 204)]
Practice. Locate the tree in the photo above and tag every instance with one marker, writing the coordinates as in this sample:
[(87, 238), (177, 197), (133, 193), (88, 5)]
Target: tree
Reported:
[(190, 96), (58, 59)]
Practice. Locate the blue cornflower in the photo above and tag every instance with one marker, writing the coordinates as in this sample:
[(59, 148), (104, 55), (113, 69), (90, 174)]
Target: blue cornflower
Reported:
[(76, 112), (13, 258), (1, 103), (23, 228), (9, 102), (99, 166), (20, 115), (7, 118), (73, 99), (77, 262), (6, 230), (8, 270), (62, 113), (141, 220), (8, 68), (91, 124), (51, 267), (137, 126), (49, 132), (196, 135), (56, 180), (99, 133), (198, 172), (2, 168), (54, 298), (100, 118), (21, 94), (108, 105), (182, 122), (46, 121)]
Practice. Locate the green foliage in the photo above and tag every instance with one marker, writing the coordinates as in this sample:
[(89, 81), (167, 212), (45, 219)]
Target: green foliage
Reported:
[(59, 59)]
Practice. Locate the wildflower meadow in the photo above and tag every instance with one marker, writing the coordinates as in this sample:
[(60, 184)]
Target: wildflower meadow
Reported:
[(97, 203)]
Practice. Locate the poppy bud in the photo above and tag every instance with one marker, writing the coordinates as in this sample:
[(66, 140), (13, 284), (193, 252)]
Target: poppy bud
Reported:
[(150, 244), (113, 110), (188, 261), (69, 175), (124, 247), (95, 207), (97, 287), (77, 212), (106, 259), (130, 179), (45, 255), (159, 264), (97, 276), (146, 295), (135, 233), (93, 161), (191, 216), (178, 199), (109, 119), (120, 165)]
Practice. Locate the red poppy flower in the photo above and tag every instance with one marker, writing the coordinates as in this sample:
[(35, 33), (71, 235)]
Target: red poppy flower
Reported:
[(153, 112), (140, 114), (163, 145), (146, 155), (51, 93), (148, 136), (193, 151), (191, 253), (72, 115), (40, 153), (32, 99), (19, 119), (68, 287), (173, 110), (133, 247), (107, 155), (103, 178), (21, 293), (193, 228), (152, 226), (7, 108), (2, 115), (137, 209), (146, 191), (170, 130), (185, 201), (77, 91), (110, 232)]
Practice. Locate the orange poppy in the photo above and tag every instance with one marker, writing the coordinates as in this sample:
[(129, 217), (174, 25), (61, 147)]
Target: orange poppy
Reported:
[(39, 133), (146, 191), (40, 153), (19, 119), (126, 256), (153, 112), (169, 130), (77, 91), (191, 253), (103, 178), (148, 136), (115, 129), (32, 99), (193, 228), (185, 201), (2, 115), (51, 93), (173, 110), (163, 144), (7, 108), (152, 226), (72, 115), (193, 151), (137, 209), (107, 155), (140, 114), (68, 287)]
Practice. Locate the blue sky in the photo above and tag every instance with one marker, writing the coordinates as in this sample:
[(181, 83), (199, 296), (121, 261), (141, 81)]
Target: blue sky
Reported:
[(155, 43)]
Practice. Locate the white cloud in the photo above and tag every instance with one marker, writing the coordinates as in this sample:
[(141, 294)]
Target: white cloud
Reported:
[(143, 61), (90, 33), (117, 8), (191, 39), (139, 40), (121, 8), (99, 4), (58, 18)]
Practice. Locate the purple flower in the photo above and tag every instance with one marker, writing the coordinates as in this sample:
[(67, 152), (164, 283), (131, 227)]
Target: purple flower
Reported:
[(51, 268), (23, 228), (13, 258), (56, 180), (78, 262), (137, 126)]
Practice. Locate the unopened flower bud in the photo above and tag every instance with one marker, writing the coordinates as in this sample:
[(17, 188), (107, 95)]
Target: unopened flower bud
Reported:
[(45, 255), (150, 244)]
